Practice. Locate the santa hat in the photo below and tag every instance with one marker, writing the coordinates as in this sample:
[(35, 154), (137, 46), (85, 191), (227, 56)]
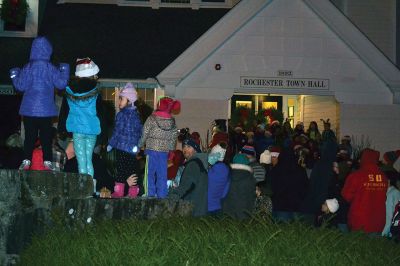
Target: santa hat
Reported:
[(129, 92), (391, 156), (275, 150), (85, 67), (333, 205)]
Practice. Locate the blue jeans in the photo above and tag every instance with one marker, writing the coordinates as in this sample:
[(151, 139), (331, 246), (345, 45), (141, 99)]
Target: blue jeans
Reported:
[(84, 146)]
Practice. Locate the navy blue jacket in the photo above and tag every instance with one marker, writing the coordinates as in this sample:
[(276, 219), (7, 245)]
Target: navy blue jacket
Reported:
[(38, 79)]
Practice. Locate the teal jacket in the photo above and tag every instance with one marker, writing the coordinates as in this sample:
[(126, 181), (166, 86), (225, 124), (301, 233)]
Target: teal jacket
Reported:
[(82, 117)]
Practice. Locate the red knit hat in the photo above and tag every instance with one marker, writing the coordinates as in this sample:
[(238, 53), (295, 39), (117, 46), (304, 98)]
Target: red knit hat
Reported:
[(167, 104), (391, 156)]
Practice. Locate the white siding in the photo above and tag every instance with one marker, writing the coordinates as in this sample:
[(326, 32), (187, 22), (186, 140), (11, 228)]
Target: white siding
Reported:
[(380, 123), (316, 108), (377, 19), (288, 35), (198, 115)]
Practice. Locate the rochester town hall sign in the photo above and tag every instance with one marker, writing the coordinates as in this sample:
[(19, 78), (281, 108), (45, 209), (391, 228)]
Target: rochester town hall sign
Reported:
[(284, 83)]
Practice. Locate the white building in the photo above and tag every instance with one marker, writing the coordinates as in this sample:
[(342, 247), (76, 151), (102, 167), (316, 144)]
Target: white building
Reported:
[(305, 51)]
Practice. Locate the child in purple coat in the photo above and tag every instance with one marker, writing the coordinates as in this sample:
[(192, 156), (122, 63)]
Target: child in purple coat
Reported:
[(125, 139), (37, 81)]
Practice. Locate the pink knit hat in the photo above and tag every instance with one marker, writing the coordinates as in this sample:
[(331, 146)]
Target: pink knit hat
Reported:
[(129, 92), (166, 106)]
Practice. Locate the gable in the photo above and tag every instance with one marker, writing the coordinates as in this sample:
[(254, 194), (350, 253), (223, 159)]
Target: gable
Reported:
[(291, 35)]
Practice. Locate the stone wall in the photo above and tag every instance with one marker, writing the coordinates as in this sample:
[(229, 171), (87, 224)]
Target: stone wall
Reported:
[(33, 201)]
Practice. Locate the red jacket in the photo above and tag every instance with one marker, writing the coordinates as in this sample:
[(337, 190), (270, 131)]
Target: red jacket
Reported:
[(365, 190)]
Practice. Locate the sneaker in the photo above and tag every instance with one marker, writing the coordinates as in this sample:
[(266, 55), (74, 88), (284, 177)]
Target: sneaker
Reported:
[(48, 166), (25, 165)]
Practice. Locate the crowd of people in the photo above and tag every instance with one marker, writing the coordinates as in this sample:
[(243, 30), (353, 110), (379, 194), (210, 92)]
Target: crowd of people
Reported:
[(271, 170)]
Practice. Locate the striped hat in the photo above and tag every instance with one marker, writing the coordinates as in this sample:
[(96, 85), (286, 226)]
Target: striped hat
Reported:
[(249, 150)]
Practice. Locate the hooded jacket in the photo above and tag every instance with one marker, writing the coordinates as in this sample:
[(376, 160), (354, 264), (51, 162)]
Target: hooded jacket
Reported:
[(365, 190), (159, 134), (127, 131), (81, 110), (289, 183), (322, 179), (38, 79), (218, 183), (193, 186), (239, 202)]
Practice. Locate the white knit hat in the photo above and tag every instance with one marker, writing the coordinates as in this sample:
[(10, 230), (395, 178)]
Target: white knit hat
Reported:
[(333, 205), (85, 67), (218, 149), (265, 157)]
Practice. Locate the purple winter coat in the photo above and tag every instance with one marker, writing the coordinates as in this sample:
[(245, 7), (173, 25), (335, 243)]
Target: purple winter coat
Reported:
[(38, 79), (127, 131)]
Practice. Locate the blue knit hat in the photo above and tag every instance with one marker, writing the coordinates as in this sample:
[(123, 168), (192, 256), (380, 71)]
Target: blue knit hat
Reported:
[(192, 143), (241, 159)]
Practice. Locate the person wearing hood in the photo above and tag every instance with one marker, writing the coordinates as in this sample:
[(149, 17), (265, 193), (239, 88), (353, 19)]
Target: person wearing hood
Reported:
[(289, 186), (239, 202), (365, 190), (81, 113), (125, 139), (159, 138), (37, 81), (322, 180), (218, 178)]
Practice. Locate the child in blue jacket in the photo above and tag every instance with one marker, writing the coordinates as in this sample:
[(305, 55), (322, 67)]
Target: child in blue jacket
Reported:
[(125, 139), (82, 110), (37, 81)]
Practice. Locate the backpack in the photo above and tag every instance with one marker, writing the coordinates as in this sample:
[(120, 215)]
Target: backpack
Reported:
[(395, 225)]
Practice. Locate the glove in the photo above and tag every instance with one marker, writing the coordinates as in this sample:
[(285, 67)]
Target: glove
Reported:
[(135, 149), (109, 148), (63, 67), (170, 183), (14, 72)]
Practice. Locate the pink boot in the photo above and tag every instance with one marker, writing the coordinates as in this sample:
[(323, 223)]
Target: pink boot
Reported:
[(133, 191), (118, 190)]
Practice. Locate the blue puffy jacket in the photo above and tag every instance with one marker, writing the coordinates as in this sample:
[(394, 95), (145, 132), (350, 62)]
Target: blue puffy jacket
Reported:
[(38, 79), (127, 131), (82, 117), (218, 184)]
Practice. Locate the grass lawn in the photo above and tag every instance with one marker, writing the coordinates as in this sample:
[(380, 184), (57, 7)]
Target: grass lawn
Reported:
[(207, 241)]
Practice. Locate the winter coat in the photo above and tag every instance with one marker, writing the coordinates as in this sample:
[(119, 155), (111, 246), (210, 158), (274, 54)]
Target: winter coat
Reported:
[(159, 134), (239, 202), (322, 179), (392, 198), (81, 110), (127, 131), (258, 170), (218, 185), (38, 79), (289, 183), (365, 190), (193, 186)]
